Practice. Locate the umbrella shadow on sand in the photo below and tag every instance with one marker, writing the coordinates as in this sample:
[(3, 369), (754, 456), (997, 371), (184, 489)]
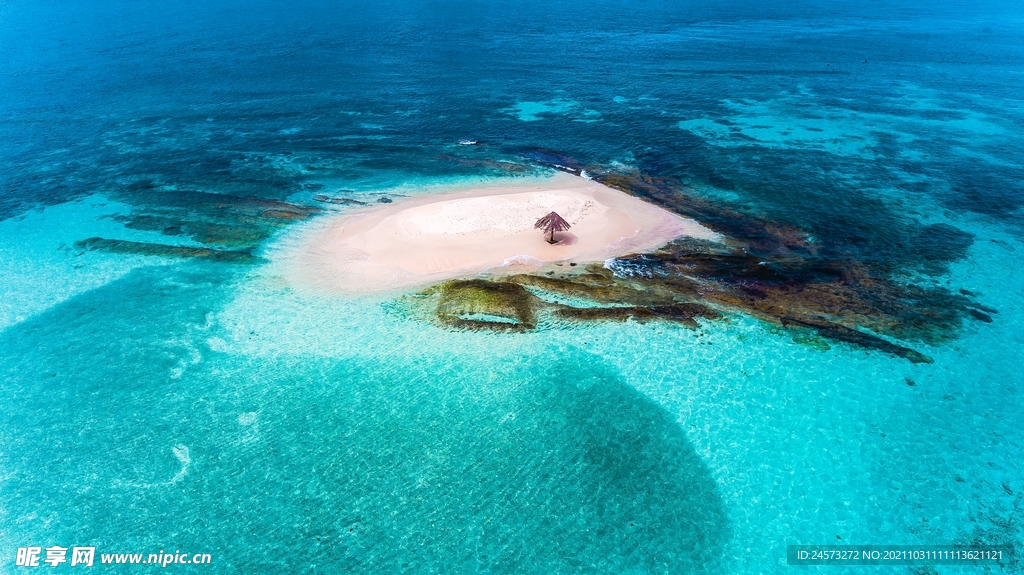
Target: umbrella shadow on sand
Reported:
[(564, 239)]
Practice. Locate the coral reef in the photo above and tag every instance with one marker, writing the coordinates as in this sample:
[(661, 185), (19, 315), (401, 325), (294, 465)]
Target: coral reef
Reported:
[(816, 287), (217, 221), (772, 271), (507, 304)]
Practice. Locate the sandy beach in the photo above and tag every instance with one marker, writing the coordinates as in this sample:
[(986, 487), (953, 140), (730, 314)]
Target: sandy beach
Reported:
[(416, 242)]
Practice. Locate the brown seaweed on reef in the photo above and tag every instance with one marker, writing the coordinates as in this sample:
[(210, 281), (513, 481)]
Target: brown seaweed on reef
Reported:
[(764, 269), (164, 250), (839, 300), (830, 313), (783, 290), (659, 300)]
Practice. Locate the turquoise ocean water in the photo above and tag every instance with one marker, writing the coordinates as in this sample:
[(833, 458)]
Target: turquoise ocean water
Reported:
[(154, 404)]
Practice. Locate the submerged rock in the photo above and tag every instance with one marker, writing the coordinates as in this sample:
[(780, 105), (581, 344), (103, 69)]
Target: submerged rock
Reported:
[(980, 316), (685, 314), (483, 304)]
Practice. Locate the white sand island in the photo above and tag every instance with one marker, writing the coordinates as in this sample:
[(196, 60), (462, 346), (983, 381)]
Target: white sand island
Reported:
[(419, 241)]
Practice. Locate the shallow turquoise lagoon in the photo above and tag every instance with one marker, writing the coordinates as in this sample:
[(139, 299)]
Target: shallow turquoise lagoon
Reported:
[(152, 404)]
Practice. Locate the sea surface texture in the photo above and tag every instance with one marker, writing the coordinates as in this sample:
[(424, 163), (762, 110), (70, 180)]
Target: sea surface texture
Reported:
[(164, 389)]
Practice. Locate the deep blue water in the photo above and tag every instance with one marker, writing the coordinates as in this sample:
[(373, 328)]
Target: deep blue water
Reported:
[(325, 436)]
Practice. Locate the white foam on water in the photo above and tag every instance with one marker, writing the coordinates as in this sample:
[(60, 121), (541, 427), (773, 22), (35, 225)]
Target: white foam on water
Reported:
[(248, 418), (522, 260), (182, 454)]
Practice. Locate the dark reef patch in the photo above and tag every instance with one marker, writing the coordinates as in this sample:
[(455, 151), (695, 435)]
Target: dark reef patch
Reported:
[(341, 201), (842, 333), (997, 193), (937, 244), (487, 164), (979, 316), (206, 232), (212, 205), (217, 221), (837, 202), (168, 251)]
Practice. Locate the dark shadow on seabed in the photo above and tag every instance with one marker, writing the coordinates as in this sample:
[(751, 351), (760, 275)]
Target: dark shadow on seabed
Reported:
[(462, 462)]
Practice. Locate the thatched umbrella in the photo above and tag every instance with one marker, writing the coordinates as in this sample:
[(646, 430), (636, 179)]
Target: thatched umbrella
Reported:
[(552, 223)]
